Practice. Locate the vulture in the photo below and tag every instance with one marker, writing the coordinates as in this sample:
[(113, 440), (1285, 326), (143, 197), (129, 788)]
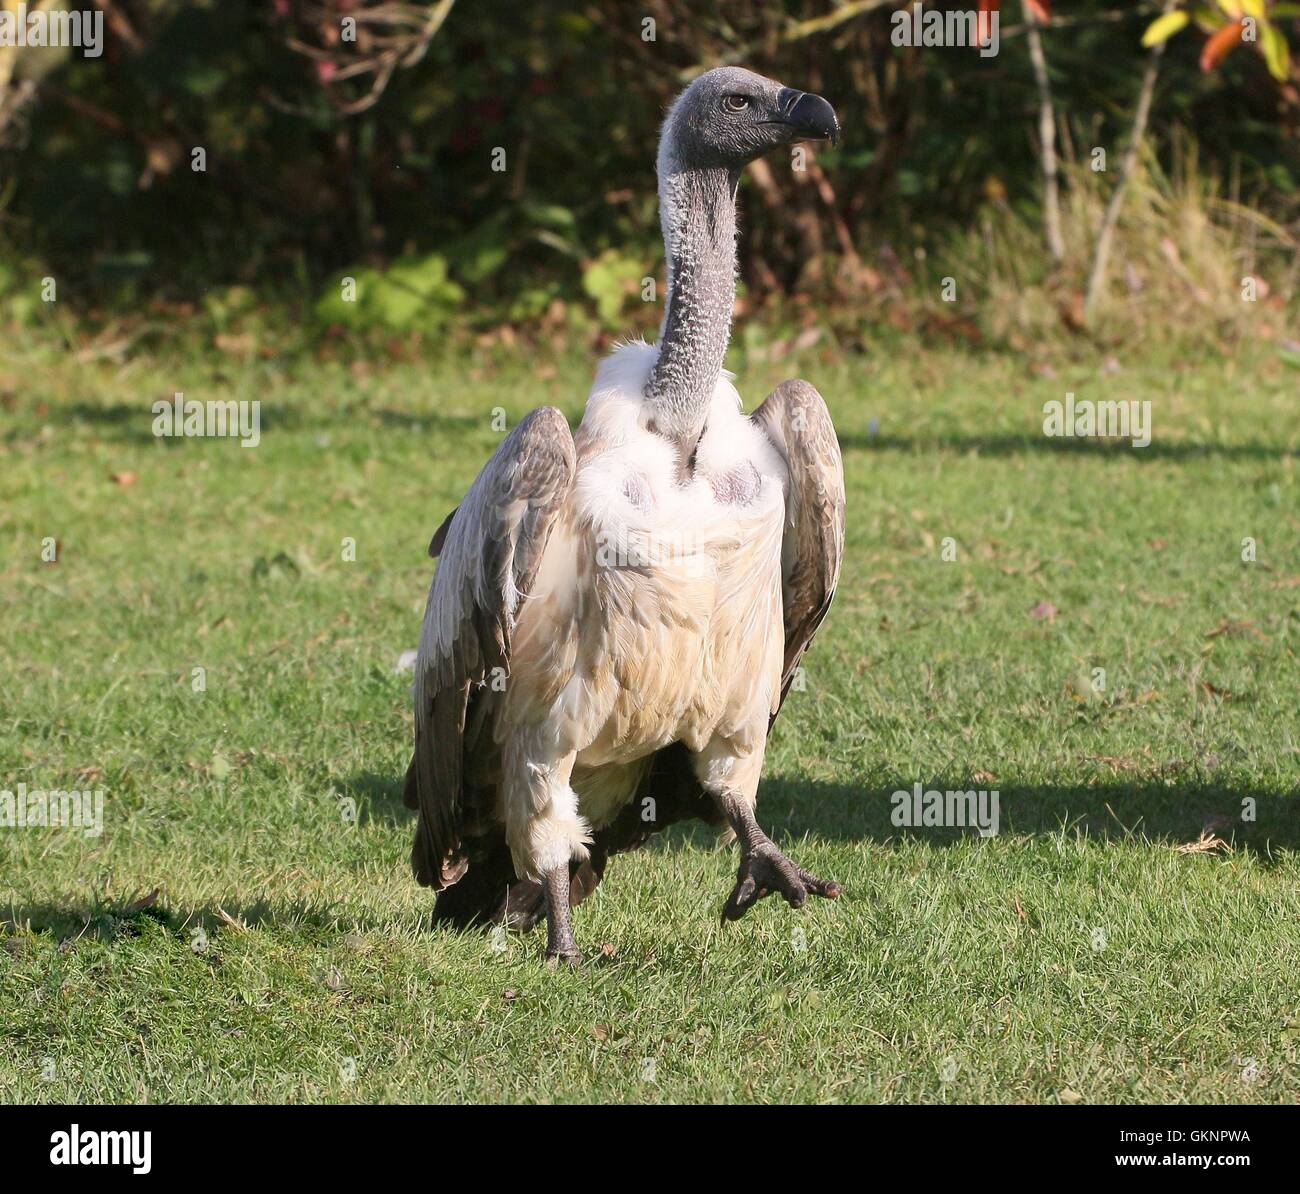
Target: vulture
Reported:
[(617, 612)]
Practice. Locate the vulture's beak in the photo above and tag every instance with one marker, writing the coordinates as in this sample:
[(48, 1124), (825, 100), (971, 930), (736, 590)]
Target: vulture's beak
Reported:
[(811, 117)]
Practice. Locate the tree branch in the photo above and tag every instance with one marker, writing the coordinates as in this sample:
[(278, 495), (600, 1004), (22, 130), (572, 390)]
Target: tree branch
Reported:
[(1046, 138), (1107, 234), (795, 32)]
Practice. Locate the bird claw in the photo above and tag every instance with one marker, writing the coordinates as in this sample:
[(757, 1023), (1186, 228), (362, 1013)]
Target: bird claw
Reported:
[(764, 870), (555, 960)]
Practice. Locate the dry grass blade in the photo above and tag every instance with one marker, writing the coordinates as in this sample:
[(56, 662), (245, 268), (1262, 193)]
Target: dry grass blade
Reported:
[(229, 921), (1207, 843)]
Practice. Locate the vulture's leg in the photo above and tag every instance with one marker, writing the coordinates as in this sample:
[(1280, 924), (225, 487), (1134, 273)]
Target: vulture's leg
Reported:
[(545, 832), (560, 945), (733, 784)]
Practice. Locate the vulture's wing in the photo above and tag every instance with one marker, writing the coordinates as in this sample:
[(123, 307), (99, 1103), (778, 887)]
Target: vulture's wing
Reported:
[(796, 420), (490, 551)]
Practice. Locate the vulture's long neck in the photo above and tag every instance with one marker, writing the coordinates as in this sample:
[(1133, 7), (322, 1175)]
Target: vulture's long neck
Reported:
[(697, 209)]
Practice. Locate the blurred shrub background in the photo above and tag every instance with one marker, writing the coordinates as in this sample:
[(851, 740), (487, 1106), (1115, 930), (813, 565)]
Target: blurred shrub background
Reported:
[(326, 157)]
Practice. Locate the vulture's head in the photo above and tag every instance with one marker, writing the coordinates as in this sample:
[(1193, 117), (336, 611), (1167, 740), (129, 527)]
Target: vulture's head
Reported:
[(730, 116)]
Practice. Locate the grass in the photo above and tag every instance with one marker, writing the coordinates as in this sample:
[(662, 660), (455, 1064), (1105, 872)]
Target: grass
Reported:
[(234, 935), (1185, 248)]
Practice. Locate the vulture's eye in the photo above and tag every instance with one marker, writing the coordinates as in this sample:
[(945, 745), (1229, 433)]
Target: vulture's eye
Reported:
[(734, 103)]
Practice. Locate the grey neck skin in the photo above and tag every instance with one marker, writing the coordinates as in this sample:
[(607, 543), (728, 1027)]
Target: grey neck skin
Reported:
[(697, 209)]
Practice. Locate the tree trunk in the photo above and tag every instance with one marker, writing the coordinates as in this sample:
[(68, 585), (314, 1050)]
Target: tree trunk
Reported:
[(1096, 279), (1046, 137)]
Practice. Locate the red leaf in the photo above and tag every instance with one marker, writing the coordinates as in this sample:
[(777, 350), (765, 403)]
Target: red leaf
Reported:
[(1220, 44), (984, 21)]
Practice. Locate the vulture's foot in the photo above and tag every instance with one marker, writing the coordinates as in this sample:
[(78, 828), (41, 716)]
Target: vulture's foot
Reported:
[(560, 945), (763, 870)]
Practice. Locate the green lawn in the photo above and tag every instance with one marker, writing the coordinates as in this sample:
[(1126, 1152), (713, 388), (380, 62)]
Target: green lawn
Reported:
[(1077, 956)]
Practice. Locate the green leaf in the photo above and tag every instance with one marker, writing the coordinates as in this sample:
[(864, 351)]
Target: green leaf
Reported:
[(550, 215), (1207, 20), (1277, 54), (1163, 28), (202, 79), (610, 279), (414, 292)]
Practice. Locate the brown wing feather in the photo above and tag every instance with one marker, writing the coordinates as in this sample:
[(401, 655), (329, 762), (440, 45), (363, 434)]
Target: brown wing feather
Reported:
[(794, 417), (440, 536), (490, 551)]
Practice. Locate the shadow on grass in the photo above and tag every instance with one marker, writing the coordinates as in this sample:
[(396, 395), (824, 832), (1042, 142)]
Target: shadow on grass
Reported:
[(133, 422), (378, 797), (1022, 445), (1142, 809), (199, 928), (789, 808)]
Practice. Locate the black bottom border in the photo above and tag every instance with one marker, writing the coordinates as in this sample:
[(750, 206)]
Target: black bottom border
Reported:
[(335, 1143)]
